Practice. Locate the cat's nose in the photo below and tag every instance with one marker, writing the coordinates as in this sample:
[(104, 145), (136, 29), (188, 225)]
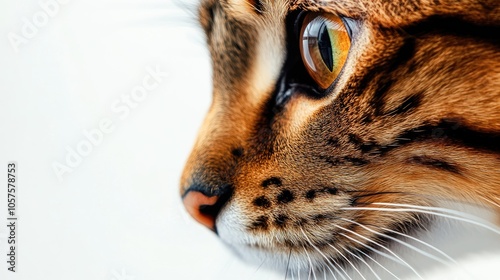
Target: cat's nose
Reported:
[(203, 206)]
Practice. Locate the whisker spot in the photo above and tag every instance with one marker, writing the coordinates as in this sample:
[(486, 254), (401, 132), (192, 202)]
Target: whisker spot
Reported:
[(273, 181), (285, 196)]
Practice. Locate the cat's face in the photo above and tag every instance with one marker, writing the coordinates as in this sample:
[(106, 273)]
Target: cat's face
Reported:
[(325, 111)]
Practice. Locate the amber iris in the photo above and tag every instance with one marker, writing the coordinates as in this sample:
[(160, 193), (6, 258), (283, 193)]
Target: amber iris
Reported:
[(324, 44)]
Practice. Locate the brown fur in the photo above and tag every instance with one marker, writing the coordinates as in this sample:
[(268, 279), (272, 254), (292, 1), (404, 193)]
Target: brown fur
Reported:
[(359, 140)]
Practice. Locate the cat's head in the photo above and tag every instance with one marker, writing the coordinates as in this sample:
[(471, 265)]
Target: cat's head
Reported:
[(325, 111)]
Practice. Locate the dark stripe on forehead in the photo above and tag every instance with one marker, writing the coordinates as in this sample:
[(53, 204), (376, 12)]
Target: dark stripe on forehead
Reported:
[(377, 79), (410, 103), (447, 131), (435, 163), (454, 26), (453, 131)]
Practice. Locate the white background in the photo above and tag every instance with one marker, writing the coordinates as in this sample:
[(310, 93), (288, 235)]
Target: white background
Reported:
[(117, 214)]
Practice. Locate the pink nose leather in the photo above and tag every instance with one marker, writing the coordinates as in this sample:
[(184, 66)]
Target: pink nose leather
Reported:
[(194, 202)]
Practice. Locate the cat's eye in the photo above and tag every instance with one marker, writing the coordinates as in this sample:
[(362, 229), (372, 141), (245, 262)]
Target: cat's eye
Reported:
[(324, 45)]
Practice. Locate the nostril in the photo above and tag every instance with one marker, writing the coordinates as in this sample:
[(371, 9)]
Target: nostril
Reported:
[(205, 207), (196, 204)]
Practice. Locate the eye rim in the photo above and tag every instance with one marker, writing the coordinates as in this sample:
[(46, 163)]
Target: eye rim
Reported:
[(294, 78), (312, 57), (352, 25)]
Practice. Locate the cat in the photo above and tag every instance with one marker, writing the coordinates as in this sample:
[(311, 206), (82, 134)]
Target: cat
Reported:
[(340, 130)]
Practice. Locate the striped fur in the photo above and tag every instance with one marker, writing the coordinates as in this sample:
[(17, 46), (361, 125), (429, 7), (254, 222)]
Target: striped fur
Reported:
[(413, 118)]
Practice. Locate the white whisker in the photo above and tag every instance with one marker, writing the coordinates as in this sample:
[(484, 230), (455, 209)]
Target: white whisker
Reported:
[(256, 270), (491, 201), (363, 261), (373, 249), (406, 244), (340, 253), (379, 264), (310, 265), (343, 271), (288, 263), (321, 253), (382, 246), (482, 224), (431, 208), (423, 243)]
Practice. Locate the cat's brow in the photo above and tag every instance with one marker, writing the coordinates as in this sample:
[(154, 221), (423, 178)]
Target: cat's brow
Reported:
[(206, 14), (246, 6), (257, 5)]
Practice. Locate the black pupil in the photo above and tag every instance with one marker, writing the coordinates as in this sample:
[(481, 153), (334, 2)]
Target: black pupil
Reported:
[(325, 46)]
